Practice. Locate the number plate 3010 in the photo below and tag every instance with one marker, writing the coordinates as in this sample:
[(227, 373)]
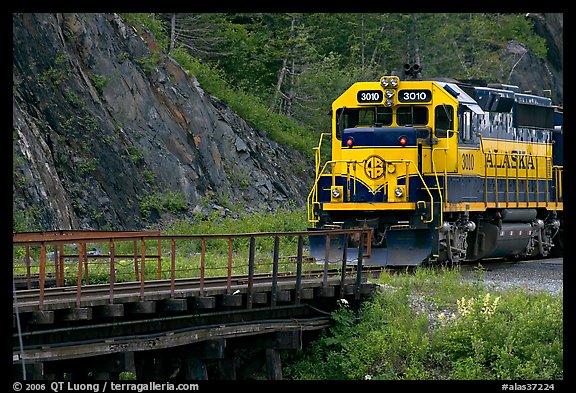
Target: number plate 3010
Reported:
[(370, 96), (414, 95)]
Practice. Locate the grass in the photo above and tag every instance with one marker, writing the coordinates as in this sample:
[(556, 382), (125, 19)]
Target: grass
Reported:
[(432, 325)]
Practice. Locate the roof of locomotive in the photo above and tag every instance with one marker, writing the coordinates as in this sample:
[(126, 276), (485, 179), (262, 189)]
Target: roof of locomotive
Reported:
[(477, 89)]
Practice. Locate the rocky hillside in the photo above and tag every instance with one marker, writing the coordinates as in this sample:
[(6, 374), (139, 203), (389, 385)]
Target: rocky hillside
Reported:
[(110, 134), (533, 74)]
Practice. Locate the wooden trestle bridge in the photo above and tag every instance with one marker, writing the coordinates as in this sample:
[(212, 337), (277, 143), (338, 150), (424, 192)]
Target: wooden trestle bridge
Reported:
[(95, 304)]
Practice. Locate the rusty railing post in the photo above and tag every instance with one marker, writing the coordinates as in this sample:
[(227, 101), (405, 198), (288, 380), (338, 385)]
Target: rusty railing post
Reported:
[(135, 249), (42, 273), (61, 265), (56, 261), (81, 255), (86, 264), (359, 268), (229, 274), (173, 268), (250, 272), (299, 270), (202, 266), (142, 268), (28, 273), (344, 258), (274, 294), (159, 260), (112, 270)]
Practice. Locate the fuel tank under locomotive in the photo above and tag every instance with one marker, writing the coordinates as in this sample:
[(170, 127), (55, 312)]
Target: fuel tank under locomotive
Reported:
[(505, 234)]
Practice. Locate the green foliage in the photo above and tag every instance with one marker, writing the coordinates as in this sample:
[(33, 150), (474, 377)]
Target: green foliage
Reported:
[(280, 128), (149, 176), (521, 337), (325, 51), (57, 73), (136, 155), (151, 22), (175, 202), (99, 82), (150, 63), (287, 220), (87, 166), (26, 220), (172, 202), (430, 324)]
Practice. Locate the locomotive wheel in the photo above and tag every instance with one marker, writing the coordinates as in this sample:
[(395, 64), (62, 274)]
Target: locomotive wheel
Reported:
[(558, 249)]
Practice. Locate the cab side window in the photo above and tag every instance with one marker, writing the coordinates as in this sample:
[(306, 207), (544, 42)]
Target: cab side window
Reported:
[(465, 126), (443, 120)]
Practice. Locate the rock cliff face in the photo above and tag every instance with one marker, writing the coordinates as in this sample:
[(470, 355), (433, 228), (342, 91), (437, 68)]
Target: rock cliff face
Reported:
[(531, 73), (106, 129)]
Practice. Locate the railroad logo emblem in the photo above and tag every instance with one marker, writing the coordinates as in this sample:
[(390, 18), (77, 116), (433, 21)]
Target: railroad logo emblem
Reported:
[(374, 167)]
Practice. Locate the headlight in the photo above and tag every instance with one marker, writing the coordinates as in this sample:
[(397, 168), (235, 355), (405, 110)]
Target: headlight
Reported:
[(390, 81), (389, 102), (336, 193), (389, 93), (398, 192)]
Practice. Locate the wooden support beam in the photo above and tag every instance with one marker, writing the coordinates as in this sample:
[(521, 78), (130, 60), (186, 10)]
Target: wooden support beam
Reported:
[(142, 307), (273, 364), (259, 298), (105, 364), (289, 339), (205, 302), (307, 293), (349, 289), (231, 300), (211, 349), (75, 314), (227, 368), (194, 369), (108, 311), (328, 291), (367, 289), (172, 305), (32, 371), (41, 317), (284, 296)]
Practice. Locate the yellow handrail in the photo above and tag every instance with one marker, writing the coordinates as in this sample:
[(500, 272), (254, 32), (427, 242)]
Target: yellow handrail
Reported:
[(558, 170), (312, 199), (445, 173)]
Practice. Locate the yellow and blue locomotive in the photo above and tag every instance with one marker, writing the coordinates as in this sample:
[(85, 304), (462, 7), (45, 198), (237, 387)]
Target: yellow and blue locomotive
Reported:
[(440, 171)]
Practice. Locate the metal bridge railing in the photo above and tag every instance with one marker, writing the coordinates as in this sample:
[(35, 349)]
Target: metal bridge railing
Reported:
[(127, 257)]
